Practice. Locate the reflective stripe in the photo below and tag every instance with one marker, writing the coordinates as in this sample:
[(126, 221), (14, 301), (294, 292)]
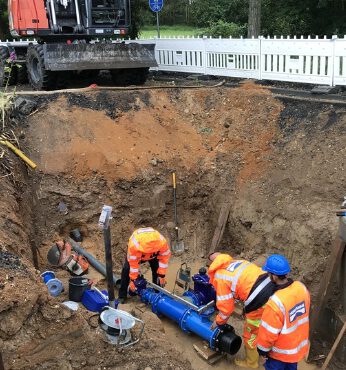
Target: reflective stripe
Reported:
[(135, 242), (237, 275), (131, 257), (224, 297), (223, 277), (133, 270), (255, 293), (270, 328), (224, 317), (265, 349), (295, 326), (292, 351), (165, 253), (278, 302), (233, 279), (253, 322), (145, 230), (163, 265)]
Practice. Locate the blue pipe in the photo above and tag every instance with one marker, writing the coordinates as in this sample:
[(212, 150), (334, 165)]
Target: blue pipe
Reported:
[(223, 339)]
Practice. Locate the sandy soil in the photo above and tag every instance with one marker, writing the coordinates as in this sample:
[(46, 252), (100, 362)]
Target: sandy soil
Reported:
[(279, 163)]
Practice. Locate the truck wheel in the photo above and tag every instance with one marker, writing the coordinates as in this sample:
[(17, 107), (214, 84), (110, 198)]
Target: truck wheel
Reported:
[(8, 74), (39, 77)]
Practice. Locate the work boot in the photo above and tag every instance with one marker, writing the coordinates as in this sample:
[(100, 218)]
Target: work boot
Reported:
[(122, 300), (251, 359)]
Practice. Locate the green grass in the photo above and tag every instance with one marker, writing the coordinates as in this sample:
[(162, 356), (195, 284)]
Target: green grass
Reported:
[(165, 31)]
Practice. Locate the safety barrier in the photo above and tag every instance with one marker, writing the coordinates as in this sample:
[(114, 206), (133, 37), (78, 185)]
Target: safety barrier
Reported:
[(315, 61), (307, 60)]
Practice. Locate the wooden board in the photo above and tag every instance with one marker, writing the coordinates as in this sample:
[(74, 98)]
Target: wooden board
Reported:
[(329, 273), (335, 345), (220, 227), (208, 354)]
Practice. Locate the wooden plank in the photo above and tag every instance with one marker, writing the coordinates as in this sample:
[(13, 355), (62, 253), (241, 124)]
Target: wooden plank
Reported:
[(220, 227), (205, 352), (329, 273), (2, 367), (335, 345)]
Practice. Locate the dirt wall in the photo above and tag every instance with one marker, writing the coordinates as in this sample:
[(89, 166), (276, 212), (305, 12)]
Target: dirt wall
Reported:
[(279, 163)]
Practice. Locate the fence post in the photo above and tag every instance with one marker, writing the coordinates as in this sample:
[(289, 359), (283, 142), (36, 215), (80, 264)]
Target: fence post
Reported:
[(205, 54), (260, 38), (332, 80)]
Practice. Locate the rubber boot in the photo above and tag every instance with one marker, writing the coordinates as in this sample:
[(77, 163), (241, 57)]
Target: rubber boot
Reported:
[(251, 359)]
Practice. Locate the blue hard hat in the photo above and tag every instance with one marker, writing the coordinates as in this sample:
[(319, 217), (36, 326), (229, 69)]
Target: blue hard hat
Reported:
[(277, 264)]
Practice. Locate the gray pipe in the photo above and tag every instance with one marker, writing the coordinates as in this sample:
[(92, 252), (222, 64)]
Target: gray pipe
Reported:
[(93, 261)]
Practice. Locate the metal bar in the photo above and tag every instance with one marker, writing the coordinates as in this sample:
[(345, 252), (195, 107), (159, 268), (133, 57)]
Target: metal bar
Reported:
[(158, 24), (109, 266), (199, 310)]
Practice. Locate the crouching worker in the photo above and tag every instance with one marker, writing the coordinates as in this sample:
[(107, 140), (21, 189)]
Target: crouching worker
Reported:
[(283, 338), (241, 280), (145, 244)]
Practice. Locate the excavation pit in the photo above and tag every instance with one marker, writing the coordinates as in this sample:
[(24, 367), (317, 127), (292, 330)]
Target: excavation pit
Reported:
[(273, 160)]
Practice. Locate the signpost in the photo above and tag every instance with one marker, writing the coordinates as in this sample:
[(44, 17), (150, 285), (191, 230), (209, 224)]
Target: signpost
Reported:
[(156, 6)]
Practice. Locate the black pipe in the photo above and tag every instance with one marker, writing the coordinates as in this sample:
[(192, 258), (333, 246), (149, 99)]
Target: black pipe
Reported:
[(228, 341), (109, 265), (98, 266)]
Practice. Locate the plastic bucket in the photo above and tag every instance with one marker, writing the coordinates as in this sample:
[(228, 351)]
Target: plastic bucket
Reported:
[(77, 286)]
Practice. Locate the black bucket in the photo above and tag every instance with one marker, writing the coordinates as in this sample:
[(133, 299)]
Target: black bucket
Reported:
[(77, 286)]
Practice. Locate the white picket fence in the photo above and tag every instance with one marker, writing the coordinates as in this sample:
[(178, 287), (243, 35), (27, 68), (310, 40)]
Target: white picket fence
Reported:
[(315, 61)]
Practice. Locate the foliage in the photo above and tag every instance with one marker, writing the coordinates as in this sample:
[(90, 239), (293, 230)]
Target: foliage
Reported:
[(6, 99), (168, 31), (224, 30), (4, 31)]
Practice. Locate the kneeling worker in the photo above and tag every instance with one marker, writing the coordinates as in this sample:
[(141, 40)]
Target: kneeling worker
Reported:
[(283, 337), (145, 244), (243, 280)]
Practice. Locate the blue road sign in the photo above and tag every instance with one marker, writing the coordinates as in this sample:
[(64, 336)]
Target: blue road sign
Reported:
[(156, 5)]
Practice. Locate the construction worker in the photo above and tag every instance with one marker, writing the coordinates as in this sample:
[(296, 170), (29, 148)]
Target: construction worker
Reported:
[(145, 244), (283, 338), (242, 280)]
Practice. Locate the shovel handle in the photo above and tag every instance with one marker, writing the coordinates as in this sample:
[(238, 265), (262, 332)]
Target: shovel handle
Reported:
[(175, 202), (174, 181)]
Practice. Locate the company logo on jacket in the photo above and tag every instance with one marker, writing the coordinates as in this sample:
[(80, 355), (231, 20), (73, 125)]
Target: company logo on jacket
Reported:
[(298, 310)]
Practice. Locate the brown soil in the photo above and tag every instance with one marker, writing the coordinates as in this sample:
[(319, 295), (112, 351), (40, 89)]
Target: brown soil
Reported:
[(279, 163)]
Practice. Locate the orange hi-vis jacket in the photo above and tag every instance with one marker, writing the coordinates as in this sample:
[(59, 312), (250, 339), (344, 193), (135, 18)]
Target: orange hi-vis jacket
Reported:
[(144, 245), (284, 329), (231, 280)]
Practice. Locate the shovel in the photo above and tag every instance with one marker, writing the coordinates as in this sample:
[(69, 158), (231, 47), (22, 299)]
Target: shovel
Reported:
[(178, 244)]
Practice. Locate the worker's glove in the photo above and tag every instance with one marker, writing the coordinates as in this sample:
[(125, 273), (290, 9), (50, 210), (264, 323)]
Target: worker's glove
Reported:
[(132, 287), (161, 281)]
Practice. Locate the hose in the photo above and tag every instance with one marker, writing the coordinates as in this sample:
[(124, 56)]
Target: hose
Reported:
[(20, 154), (111, 88)]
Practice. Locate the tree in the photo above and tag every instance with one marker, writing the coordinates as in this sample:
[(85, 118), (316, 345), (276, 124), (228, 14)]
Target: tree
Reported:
[(4, 31), (254, 23)]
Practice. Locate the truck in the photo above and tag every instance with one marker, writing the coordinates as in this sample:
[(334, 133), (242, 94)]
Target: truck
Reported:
[(66, 37)]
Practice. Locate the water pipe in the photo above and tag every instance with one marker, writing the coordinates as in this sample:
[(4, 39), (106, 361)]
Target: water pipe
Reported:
[(54, 285), (93, 261), (221, 339)]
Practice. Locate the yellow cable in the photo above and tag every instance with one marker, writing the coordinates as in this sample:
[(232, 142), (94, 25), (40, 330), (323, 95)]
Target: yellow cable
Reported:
[(28, 161)]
